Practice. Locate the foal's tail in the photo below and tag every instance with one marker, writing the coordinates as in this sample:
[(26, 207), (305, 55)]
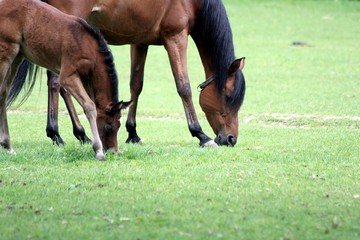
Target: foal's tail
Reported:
[(24, 79)]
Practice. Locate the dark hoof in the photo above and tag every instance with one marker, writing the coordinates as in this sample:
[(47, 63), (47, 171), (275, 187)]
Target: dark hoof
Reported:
[(84, 139), (134, 140), (80, 135), (58, 140)]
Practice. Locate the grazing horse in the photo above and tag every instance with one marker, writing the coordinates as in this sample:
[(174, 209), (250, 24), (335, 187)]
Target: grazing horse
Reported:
[(167, 22), (76, 52)]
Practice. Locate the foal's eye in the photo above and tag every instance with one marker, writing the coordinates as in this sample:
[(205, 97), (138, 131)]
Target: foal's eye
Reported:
[(227, 98), (108, 128)]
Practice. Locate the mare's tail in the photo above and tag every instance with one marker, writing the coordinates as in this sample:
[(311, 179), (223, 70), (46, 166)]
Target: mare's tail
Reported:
[(24, 79)]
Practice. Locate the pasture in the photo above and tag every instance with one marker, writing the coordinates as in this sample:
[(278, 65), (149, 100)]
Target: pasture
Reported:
[(294, 173)]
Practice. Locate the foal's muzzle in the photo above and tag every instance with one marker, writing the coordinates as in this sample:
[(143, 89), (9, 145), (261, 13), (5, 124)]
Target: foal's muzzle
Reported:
[(227, 140)]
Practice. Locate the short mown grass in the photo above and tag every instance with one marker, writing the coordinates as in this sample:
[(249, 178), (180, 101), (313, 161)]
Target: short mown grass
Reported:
[(294, 173)]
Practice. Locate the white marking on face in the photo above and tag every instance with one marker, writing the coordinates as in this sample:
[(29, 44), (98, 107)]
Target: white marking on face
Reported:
[(96, 8), (120, 120)]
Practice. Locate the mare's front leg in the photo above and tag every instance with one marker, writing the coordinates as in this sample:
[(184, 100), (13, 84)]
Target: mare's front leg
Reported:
[(75, 87), (138, 57), (176, 47)]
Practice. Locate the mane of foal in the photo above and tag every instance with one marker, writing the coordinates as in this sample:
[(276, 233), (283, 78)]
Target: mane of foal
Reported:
[(108, 57)]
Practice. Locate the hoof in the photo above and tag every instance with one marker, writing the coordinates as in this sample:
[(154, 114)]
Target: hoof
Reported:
[(117, 152), (84, 139), (11, 151), (58, 140), (135, 140), (210, 143), (100, 156), (7, 148)]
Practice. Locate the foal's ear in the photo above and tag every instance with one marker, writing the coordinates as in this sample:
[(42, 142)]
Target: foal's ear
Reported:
[(236, 65), (124, 105), (117, 107)]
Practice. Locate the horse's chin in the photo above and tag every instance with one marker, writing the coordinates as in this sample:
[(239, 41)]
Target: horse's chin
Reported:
[(114, 151)]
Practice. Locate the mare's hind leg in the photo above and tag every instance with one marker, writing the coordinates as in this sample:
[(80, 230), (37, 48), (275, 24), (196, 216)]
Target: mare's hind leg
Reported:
[(52, 129), (138, 57), (176, 47)]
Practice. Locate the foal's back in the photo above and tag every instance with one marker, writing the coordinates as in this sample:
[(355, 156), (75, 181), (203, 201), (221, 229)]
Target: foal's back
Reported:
[(38, 28)]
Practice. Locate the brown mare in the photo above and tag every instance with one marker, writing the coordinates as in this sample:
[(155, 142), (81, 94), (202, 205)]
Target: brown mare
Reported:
[(76, 52), (167, 22)]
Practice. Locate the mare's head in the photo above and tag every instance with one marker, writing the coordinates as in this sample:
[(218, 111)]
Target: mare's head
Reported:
[(223, 93), (108, 123), (221, 106)]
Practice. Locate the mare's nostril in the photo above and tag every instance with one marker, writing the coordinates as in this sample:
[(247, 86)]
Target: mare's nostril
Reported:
[(231, 140)]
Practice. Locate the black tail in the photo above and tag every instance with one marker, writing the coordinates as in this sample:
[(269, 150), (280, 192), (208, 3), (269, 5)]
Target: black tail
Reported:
[(25, 79)]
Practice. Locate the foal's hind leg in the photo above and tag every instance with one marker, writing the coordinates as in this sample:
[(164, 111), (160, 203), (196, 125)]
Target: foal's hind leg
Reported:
[(176, 47), (138, 57), (4, 87), (7, 73)]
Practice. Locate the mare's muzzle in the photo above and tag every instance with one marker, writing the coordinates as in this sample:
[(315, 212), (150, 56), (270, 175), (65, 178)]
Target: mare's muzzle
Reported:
[(227, 140)]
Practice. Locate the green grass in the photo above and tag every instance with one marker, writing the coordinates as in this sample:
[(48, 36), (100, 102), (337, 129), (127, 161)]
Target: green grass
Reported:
[(294, 173)]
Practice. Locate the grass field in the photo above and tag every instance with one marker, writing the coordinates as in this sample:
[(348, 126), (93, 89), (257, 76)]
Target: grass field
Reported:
[(294, 173)]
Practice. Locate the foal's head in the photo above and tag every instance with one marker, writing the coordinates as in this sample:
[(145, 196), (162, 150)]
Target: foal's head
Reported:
[(108, 123), (104, 84), (221, 106)]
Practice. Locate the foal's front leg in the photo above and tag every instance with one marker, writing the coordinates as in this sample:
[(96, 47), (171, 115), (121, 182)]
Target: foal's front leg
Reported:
[(74, 86)]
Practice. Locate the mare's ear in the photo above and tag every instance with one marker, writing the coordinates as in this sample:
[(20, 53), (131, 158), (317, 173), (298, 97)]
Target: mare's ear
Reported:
[(236, 65), (117, 107)]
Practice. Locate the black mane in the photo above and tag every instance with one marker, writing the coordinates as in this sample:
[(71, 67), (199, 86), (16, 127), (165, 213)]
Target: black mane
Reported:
[(108, 57), (212, 29)]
